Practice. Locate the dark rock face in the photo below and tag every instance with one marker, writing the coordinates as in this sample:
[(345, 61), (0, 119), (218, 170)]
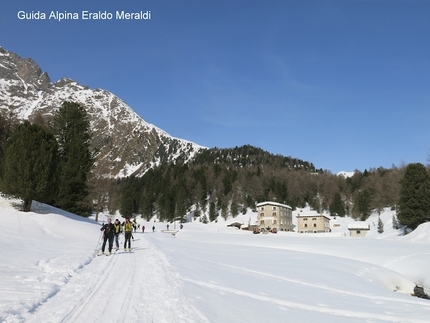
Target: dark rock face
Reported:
[(14, 67), (419, 292), (126, 144)]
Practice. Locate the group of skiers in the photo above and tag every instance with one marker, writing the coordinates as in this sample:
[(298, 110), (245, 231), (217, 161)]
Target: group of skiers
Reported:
[(111, 232)]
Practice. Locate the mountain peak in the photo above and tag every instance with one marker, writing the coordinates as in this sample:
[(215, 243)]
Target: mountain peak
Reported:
[(26, 70), (126, 144)]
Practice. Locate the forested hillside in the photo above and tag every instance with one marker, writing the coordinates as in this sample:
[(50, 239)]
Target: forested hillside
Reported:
[(215, 182), (228, 181)]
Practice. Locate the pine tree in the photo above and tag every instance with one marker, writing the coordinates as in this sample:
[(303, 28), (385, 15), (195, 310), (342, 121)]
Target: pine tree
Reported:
[(380, 226), (72, 130), (6, 129), (30, 164), (212, 212), (396, 225), (204, 219), (414, 199), (234, 208), (362, 204), (127, 206), (337, 206)]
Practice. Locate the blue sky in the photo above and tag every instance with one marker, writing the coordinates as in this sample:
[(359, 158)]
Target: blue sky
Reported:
[(343, 84)]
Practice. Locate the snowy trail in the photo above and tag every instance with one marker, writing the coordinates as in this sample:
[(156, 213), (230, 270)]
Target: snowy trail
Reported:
[(205, 273), (137, 286)]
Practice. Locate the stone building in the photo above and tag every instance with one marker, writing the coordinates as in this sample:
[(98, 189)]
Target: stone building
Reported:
[(273, 215), (313, 224)]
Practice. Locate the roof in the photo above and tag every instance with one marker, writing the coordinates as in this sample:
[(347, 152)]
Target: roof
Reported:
[(358, 225), (235, 224), (274, 203), (313, 216)]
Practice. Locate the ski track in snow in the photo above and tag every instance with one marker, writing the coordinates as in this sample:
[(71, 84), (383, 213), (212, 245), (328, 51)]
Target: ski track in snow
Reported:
[(311, 285), (325, 307), (321, 308), (136, 286)]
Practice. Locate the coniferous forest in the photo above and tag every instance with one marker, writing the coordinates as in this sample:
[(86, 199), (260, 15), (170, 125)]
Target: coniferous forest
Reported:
[(53, 163), (49, 163), (225, 182)]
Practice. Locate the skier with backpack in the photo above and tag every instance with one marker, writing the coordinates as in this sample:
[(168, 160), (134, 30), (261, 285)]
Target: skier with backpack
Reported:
[(118, 231), (128, 229), (108, 235)]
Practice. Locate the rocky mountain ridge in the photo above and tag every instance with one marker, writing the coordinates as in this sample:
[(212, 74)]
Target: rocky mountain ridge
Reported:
[(125, 143)]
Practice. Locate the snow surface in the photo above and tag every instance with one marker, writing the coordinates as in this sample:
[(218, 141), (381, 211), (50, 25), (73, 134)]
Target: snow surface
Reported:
[(345, 174), (208, 273)]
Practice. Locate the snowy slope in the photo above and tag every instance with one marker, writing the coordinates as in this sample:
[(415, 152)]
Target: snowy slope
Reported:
[(206, 273)]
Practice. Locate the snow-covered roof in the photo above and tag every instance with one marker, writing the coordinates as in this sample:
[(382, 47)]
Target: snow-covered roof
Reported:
[(312, 216), (358, 225), (273, 203)]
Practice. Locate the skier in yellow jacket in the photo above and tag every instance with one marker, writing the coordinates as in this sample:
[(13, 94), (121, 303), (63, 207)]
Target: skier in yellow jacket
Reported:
[(118, 231), (128, 229)]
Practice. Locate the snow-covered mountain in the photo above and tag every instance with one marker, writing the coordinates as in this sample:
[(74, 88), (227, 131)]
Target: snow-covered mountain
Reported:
[(127, 144)]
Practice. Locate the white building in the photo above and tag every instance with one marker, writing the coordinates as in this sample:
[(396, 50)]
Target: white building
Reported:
[(358, 228)]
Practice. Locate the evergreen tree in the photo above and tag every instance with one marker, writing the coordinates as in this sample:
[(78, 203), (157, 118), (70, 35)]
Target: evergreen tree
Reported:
[(72, 130), (147, 204), (30, 164), (396, 225), (6, 129), (204, 219), (234, 208), (337, 206), (362, 204), (127, 206), (224, 210), (181, 201), (212, 212), (414, 200), (380, 226)]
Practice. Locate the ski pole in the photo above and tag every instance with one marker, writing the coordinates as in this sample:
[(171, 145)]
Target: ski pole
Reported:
[(98, 242)]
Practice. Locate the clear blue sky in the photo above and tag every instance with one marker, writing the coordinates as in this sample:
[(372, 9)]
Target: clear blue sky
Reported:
[(344, 84)]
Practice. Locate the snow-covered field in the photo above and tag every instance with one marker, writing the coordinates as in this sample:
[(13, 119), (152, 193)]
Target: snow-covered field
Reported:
[(50, 272)]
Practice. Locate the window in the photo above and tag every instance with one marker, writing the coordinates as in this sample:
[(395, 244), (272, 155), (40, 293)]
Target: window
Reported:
[(274, 208), (262, 222), (261, 214), (314, 219), (274, 221), (262, 208), (358, 232), (274, 213), (306, 225), (315, 225)]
